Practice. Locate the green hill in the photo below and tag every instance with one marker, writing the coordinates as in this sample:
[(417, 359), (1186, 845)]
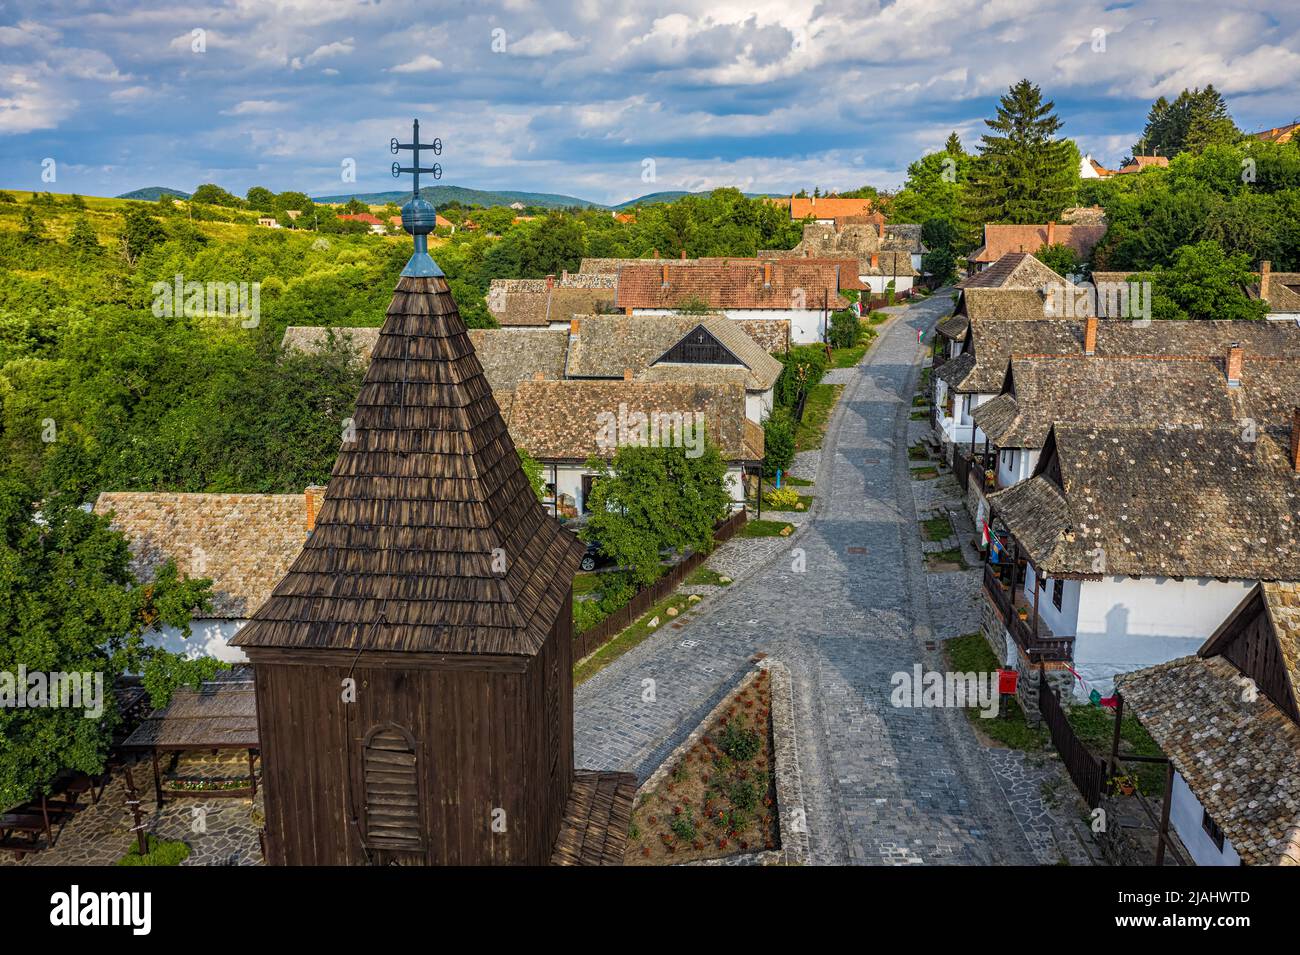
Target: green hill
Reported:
[(441, 195), (151, 193), (653, 197)]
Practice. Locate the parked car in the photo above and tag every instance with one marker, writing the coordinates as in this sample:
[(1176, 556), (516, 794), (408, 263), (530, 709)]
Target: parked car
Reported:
[(594, 557)]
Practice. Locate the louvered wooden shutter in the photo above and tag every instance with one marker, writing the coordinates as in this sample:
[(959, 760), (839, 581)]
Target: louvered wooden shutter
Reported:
[(392, 787)]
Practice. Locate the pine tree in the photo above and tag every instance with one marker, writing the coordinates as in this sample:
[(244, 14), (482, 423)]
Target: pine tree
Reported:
[(1023, 173), (82, 239), (953, 146), (1195, 119)]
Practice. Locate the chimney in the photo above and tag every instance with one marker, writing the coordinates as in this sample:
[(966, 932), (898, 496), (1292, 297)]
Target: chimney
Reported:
[(663, 275), (767, 275), (313, 497), (550, 281), (1234, 365), (627, 310), (1265, 273), (1295, 439), (683, 255), (1090, 336), (575, 326), (564, 277), (1051, 233), (627, 374), (882, 231), (875, 260)]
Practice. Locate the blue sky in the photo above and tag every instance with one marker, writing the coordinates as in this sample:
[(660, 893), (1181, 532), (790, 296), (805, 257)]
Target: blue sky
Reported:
[(573, 97)]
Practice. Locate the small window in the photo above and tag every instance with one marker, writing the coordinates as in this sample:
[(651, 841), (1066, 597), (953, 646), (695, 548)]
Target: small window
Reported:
[(1058, 593), (392, 788), (1212, 830)]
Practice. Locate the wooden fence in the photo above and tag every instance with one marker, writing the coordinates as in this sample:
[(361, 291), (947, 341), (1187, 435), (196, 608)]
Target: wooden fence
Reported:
[(591, 640), (1086, 770)]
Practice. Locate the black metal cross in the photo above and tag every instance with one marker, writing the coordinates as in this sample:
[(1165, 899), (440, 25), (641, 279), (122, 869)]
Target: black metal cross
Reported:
[(415, 168)]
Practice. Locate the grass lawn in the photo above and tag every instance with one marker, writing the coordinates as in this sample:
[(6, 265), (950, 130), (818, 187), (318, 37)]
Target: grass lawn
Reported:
[(1095, 725), (936, 528), (584, 583), (764, 528), (971, 654), (816, 413), (847, 357), (707, 576), (925, 474), (804, 499), (917, 452), (920, 416), (794, 481), (950, 556), (633, 635)]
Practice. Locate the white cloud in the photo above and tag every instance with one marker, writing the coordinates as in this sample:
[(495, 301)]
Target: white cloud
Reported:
[(543, 43), (254, 107), (324, 52), (423, 63)]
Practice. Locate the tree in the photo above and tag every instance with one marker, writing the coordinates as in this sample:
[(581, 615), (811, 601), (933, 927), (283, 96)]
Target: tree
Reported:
[(533, 471), (1204, 282), (778, 441), (82, 239), (648, 499), (142, 232), (212, 194), (940, 238), (354, 206), (260, 198), (1196, 119), (1061, 259), (845, 329), (33, 227), (70, 604), (1024, 174)]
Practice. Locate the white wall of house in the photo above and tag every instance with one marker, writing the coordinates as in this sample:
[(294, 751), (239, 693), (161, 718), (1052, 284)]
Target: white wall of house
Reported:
[(568, 480), (1185, 814), (1060, 622), (758, 405), (1283, 317), (1015, 465), (916, 263), (208, 638), (1126, 623), (879, 283)]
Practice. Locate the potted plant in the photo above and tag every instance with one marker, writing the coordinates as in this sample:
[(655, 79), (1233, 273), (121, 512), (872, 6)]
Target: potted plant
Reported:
[(1125, 783)]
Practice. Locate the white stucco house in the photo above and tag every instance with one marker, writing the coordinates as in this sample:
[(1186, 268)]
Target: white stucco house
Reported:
[(1111, 553)]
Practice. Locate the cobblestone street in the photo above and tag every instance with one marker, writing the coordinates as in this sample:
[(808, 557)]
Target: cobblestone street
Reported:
[(845, 602)]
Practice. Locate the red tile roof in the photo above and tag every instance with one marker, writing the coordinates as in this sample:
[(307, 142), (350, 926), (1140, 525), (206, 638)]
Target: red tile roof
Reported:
[(828, 207), (746, 283), (365, 217), (1138, 163), (1001, 239)]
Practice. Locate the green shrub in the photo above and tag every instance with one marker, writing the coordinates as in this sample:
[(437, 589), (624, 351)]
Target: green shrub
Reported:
[(804, 365), (778, 442), (739, 743), (845, 329), (587, 614), (743, 795), (160, 853), (683, 825), (782, 499)]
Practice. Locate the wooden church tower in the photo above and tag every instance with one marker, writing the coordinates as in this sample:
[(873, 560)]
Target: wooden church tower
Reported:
[(414, 666)]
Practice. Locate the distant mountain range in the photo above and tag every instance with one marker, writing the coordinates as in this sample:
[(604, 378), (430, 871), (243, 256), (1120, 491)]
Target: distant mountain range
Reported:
[(441, 195), (151, 193)]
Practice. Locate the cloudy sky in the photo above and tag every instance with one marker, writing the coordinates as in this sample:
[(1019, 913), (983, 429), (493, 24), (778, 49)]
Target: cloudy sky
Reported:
[(575, 97)]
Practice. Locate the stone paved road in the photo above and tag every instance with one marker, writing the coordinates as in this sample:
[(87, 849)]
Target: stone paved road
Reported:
[(883, 785)]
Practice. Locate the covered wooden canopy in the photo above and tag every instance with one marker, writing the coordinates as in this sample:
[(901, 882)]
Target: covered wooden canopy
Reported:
[(220, 714)]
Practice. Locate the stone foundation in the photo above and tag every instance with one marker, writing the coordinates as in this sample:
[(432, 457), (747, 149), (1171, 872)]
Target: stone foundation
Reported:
[(1058, 677)]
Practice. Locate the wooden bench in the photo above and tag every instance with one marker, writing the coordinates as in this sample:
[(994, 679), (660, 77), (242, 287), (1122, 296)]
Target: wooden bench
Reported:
[(20, 832)]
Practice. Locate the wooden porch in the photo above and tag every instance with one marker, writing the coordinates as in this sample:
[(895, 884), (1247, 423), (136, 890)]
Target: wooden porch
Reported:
[(1003, 584)]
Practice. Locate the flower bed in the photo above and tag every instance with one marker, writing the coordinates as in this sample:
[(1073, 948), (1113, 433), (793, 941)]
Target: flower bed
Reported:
[(719, 798)]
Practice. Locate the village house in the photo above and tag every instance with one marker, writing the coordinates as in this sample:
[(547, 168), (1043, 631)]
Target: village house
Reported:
[(1001, 239), (796, 294), (1089, 168), (884, 257), (374, 222), (243, 542), (826, 209), (1228, 719), (1281, 290), (1128, 544), (1278, 134), (550, 302), (1140, 163)]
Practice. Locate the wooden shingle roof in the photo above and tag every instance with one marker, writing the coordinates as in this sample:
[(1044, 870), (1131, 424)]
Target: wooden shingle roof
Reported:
[(1239, 756), (1175, 501), (430, 538), (596, 819)]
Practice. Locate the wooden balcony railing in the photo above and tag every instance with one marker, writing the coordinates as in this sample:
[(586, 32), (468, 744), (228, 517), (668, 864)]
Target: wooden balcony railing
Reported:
[(1046, 647)]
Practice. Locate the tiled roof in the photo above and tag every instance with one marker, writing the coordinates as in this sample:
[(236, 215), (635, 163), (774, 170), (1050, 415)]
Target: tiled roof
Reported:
[(892, 254), (1283, 292), (1104, 391), (597, 266), (982, 365), (827, 207), (419, 501), (803, 283), (1175, 501), (365, 217), (1001, 239), (1085, 215), (596, 819), (1138, 163), (953, 327), (508, 355), (565, 420), (1240, 757), (243, 542), (1278, 134), (605, 346), (1283, 601), (1014, 270), (529, 302)]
